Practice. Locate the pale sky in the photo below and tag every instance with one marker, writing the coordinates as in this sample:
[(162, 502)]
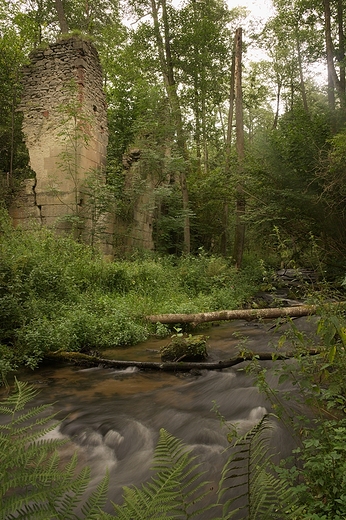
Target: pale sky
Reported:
[(258, 8)]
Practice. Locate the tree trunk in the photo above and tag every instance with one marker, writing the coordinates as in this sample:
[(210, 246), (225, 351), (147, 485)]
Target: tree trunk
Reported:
[(331, 93), (239, 314), (301, 75), (166, 63), (278, 99), (330, 53), (61, 16), (230, 112), (167, 366), (239, 237), (341, 54), (228, 147)]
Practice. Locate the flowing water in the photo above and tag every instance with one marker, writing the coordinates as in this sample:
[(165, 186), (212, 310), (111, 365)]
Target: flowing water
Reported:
[(113, 417)]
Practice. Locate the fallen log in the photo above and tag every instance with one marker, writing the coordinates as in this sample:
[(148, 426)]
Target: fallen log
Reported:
[(168, 366), (239, 314)]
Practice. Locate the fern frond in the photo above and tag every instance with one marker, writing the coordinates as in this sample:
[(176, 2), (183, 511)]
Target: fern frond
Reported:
[(71, 490), (23, 394), (175, 489), (33, 483), (92, 508), (263, 495)]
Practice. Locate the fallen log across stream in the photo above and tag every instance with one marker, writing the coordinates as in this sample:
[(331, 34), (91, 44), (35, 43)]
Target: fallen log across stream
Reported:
[(240, 314), (168, 366)]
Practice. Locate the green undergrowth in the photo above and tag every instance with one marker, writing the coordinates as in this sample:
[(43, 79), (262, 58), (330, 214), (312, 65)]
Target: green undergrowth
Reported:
[(316, 471), (56, 293)]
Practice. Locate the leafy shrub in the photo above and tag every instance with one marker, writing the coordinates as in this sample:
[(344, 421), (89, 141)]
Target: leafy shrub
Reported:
[(56, 293)]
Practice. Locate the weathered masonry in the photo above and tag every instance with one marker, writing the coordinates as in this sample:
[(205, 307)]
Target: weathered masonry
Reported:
[(65, 129)]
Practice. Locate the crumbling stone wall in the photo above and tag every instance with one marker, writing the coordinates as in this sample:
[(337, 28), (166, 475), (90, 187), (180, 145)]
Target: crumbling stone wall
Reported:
[(134, 228), (65, 128)]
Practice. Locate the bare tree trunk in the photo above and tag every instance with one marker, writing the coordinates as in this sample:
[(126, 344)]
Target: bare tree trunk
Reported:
[(230, 111), (224, 236), (164, 50), (341, 55), (197, 127), (331, 93), (301, 75), (61, 16), (239, 237), (278, 98), (205, 140), (330, 53), (241, 314)]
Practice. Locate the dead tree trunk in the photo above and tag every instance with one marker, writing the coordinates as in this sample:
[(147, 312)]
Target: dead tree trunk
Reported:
[(224, 236), (242, 314), (240, 197)]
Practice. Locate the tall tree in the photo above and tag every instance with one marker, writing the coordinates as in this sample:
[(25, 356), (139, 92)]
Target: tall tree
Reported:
[(330, 51), (61, 16), (163, 42), (239, 237)]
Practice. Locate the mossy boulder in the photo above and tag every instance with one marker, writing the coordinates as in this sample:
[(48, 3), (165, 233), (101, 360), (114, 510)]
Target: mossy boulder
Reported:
[(185, 348)]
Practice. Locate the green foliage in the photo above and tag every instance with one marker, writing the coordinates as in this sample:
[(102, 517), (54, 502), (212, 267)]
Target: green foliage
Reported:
[(323, 470), (174, 492), (35, 484), (56, 293), (249, 473), (317, 472)]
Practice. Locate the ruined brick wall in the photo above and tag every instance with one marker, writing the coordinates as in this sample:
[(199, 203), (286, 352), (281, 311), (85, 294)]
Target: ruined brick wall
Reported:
[(65, 129)]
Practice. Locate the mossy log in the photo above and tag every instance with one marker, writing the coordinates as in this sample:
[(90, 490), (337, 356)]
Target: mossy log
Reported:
[(85, 360), (239, 314), (185, 348)]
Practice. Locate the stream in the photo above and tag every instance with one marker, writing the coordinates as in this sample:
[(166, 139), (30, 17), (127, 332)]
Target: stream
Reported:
[(113, 417)]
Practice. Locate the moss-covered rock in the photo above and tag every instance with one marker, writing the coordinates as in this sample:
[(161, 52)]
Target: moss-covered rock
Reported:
[(185, 348)]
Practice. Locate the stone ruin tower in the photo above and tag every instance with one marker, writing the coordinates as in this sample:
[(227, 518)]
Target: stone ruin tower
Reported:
[(65, 129)]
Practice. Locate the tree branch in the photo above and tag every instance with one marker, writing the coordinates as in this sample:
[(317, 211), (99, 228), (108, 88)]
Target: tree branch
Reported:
[(84, 359)]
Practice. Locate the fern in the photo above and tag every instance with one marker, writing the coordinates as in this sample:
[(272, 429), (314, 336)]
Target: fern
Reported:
[(33, 483), (260, 495), (173, 492)]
